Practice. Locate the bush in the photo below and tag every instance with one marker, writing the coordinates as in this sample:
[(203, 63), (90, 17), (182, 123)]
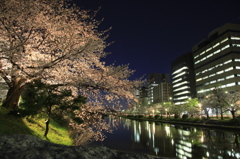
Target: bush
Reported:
[(234, 122), (176, 116), (184, 116), (157, 117)]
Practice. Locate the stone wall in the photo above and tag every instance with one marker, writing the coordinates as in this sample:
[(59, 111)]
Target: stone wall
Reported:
[(19, 146)]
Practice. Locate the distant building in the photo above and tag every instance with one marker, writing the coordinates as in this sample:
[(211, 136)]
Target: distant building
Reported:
[(217, 60), (159, 88), (183, 78), (143, 97)]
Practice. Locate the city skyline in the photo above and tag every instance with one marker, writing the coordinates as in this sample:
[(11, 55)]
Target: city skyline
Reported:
[(150, 35)]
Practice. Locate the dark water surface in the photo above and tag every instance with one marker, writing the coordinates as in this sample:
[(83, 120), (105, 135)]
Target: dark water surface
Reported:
[(173, 141)]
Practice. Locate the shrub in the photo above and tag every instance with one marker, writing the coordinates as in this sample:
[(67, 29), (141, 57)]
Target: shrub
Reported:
[(184, 116), (233, 122), (157, 117), (176, 116)]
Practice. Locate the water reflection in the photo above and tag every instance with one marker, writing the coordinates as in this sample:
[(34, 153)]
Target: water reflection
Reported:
[(168, 140)]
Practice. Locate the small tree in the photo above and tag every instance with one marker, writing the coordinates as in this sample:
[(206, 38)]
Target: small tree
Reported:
[(232, 101), (40, 98), (206, 104), (218, 96), (191, 106)]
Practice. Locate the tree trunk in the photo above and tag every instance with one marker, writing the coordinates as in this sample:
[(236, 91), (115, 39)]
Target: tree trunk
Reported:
[(221, 112), (47, 127), (233, 114), (14, 94)]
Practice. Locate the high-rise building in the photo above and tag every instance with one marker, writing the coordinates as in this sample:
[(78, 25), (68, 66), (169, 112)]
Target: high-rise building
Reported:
[(159, 88), (217, 60), (183, 78)]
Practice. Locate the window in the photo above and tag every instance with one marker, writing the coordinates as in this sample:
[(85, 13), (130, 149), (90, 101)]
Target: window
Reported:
[(214, 81), (205, 77), (228, 77), (217, 51), (196, 56), (179, 70), (228, 69), (212, 75), (225, 47), (220, 72), (220, 79), (235, 38), (177, 80), (199, 79), (237, 67), (226, 62), (216, 45), (224, 40), (236, 45)]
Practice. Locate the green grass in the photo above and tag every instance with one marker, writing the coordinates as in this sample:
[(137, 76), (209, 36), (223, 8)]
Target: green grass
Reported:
[(9, 124)]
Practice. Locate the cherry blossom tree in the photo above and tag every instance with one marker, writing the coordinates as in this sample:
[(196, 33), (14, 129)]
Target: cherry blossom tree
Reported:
[(59, 43)]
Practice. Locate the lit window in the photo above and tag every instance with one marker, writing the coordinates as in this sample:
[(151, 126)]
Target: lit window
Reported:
[(205, 77), (228, 69), (226, 62), (196, 56), (220, 79), (209, 55), (181, 88), (179, 70), (214, 81), (235, 38), (179, 84), (199, 79), (225, 47), (202, 53), (180, 74), (230, 84), (216, 45), (217, 51), (197, 62), (211, 68), (236, 45), (220, 72), (203, 59), (238, 75), (177, 80), (184, 92), (237, 67), (224, 40), (228, 77), (212, 75), (237, 60), (208, 49)]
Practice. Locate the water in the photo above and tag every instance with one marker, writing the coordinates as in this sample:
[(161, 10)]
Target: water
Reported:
[(172, 141)]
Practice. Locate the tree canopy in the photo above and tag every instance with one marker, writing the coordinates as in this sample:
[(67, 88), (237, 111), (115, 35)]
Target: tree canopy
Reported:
[(59, 43)]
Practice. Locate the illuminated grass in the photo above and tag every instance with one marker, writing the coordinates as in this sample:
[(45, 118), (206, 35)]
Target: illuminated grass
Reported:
[(33, 126)]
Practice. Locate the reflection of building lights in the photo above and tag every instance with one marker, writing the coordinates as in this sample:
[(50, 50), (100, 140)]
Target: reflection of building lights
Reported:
[(156, 150), (167, 128), (207, 154), (172, 142)]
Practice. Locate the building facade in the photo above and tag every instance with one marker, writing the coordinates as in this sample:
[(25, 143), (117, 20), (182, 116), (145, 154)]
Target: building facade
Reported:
[(159, 88), (217, 60), (183, 78)]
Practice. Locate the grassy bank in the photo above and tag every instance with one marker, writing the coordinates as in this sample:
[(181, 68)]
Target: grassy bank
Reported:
[(11, 124)]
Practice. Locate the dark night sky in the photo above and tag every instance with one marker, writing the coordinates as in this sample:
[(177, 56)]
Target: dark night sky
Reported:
[(149, 34)]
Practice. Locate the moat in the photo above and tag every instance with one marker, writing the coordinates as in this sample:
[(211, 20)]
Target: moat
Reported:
[(172, 141)]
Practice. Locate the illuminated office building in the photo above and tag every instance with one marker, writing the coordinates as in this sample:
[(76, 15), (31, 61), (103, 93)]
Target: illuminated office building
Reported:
[(217, 60), (183, 78), (159, 88)]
